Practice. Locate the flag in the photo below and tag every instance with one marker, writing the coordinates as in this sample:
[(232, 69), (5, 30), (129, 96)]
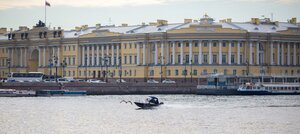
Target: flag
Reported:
[(47, 3)]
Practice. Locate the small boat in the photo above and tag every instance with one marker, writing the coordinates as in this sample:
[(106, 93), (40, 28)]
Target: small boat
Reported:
[(150, 102), (60, 93), (270, 89), (16, 93)]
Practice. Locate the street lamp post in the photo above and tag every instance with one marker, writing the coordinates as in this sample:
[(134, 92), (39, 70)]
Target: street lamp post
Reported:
[(85, 69), (106, 72), (63, 64), (161, 71), (55, 62), (120, 71), (50, 67), (185, 71), (191, 71)]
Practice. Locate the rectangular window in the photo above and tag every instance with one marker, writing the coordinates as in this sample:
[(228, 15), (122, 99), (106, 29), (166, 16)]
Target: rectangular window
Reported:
[(205, 58), (74, 60), (125, 59), (232, 59), (223, 59), (124, 45), (214, 58), (179, 59), (65, 47), (205, 44), (74, 48), (130, 60), (224, 44), (215, 44), (69, 48), (171, 59), (179, 45), (129, 45), (196, 44), (241, 59), (134, 45), (195, 72), (241, 44), (176, 72), (234, 72), (232, 44), (135, 59), (187, 58), (196, 58), (169, 72), (186, 44)]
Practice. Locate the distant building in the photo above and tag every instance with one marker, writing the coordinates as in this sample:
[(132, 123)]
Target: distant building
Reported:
[(144, 51)]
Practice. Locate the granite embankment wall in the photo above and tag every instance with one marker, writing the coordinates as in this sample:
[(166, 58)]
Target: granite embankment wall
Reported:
[(108, 88)]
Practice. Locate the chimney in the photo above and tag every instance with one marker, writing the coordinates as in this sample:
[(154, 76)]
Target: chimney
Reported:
[(188, 20), (162, 22), (228, 20), (255, 21), (222, 21), (98, 26), (124, 25), (143, 24)]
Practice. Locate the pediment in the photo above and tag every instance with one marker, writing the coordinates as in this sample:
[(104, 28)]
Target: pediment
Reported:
[(206, 28)]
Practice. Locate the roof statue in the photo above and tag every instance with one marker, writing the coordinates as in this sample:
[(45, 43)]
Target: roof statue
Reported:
[(206, 20), (40, 24)]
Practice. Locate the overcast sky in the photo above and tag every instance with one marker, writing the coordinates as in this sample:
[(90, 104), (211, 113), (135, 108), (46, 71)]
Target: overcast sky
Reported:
[(70, 13)]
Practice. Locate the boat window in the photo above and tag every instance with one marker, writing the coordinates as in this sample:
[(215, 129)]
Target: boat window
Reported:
[(248, 87)]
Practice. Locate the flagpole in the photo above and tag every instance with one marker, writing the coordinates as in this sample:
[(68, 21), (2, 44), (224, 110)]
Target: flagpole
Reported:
[(45, 14)]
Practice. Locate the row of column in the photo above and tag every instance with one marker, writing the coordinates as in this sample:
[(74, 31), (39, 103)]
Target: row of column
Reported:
[(16, 56), (85, 54), (53, 55)]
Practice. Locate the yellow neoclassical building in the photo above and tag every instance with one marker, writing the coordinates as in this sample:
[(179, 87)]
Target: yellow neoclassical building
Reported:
[(155, 50)]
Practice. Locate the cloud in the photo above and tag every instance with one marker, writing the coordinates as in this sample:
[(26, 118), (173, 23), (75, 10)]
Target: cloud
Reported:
[(7, 4)]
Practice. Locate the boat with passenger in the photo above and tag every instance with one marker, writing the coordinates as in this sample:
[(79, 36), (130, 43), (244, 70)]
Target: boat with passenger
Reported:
[(270, 89), (150, 102)]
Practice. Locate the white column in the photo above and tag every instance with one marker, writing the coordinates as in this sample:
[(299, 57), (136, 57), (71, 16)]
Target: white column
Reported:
[(181, 52), (162, 52), (58, 56), (167, 53), (155, 54), (8, 53), (271, 53), (12, 57), (209, 52), (229, 52), (200, 52), (107, 53), (88, 55), (40, 57), (21, 57), (112, 54), (102, 54), (278, 53), (190, 52), (83, 56), (239, 53), (220, 52), (44, 58), (250, 53), (53, 54), (257, 53), (118, 61), (25, 61), (282, 54), (97, 51), (173, 52), (138, 53), (288, 54), (144, 53), (93, 55), (294, 55)]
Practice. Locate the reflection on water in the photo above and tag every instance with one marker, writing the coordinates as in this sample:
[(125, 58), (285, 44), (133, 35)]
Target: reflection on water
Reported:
[(179, 114)]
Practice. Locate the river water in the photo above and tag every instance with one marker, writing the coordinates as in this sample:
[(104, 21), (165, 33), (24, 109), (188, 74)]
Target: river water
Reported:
[(181, 114)]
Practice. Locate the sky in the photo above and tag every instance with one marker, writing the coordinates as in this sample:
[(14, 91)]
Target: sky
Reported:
[(70, 13)]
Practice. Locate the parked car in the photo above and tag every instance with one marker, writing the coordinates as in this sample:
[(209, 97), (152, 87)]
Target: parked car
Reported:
[(152, 81), (49, 80), (122, 81), (80, 80), (95, 81), (168, 81), (70, 79), (62, 80)]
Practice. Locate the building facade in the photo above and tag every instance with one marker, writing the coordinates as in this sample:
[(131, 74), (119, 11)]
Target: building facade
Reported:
[(158, 50)]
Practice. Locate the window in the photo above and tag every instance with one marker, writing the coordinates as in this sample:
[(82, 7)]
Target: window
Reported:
[(124, 45), (205, 58), (151, 72), (129, 45), (195, 58), (215, 44), (184, 72), (187, 44), (187, 58), (73, 73), (223, 59), (225, 71), (169, 72), (215, 71), (205, 44), (69, 48), (130, 61), (171, 59), (178, 59), (204, 71), (214, 58), (224, 44), (74, 48), (195, 72), (176, 72), (74, 60), (196, 44), (232, 44), (125, 59), (234, 72), (232, 59), (65, 47), (135, 59), (134, 45), (179, 45), (241, 58), (241, 44)]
